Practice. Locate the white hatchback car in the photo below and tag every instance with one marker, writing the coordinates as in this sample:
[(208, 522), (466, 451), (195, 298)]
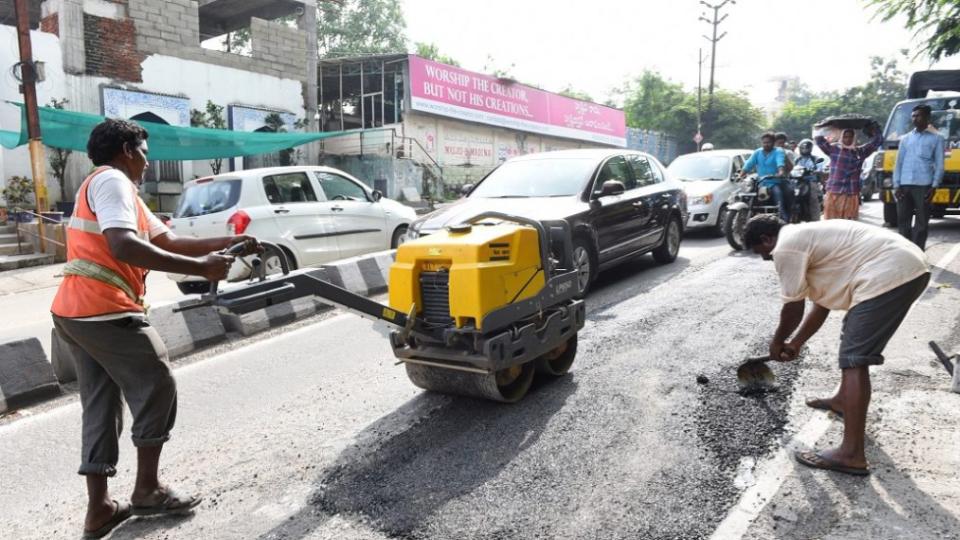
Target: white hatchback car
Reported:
[(315, 214), (708, 179)]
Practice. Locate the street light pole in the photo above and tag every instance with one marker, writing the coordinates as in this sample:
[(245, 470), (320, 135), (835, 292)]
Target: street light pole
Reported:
[(28, 87), (717, 19), (699, 97)]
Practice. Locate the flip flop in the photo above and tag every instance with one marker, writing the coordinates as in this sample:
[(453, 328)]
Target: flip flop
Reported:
[(121, 514), (822, 405), (816, 461), (170, 503)]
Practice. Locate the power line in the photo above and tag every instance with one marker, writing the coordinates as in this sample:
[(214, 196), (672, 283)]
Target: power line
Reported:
[(715, 23)]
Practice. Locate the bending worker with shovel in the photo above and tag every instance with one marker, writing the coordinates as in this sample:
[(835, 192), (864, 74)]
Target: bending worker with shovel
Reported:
[(873, 274)]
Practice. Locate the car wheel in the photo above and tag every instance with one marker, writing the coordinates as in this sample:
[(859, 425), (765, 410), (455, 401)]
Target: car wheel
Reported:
[(667, 251), (272, 265), (733, 227), (193, 287), (584, 264), (721, 217), (866, 195), (399, 237)]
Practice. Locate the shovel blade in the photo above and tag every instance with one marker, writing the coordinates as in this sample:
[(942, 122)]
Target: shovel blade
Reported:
[(754, 376)]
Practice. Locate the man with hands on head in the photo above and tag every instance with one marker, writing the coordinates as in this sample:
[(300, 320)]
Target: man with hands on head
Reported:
[(874, 275), (113, 240)]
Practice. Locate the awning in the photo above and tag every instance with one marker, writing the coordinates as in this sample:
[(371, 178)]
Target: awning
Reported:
[(70, 130)]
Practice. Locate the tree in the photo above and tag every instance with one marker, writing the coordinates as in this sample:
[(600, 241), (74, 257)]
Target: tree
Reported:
[(875, 98), (937, 20), (59, 157), (430, 51), (657, 104), (212, 118), (353, 27), (570, 92)]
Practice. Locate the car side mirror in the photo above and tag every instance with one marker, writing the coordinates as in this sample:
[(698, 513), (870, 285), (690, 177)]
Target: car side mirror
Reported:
[(819, 160), (612, 187), (376, 195), (466, 189)]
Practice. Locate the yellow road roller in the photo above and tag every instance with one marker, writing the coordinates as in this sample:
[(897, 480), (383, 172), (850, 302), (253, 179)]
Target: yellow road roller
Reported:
[(477, 309)]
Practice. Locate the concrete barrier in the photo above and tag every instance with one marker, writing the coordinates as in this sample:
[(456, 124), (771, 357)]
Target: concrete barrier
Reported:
[(186, 331), (366, 274), (25, 374)]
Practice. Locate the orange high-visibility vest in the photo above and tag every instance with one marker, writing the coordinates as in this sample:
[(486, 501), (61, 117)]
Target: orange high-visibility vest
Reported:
[(81, 296)]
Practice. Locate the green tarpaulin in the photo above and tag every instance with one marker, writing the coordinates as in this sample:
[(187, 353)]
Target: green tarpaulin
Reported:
[(70, 130)]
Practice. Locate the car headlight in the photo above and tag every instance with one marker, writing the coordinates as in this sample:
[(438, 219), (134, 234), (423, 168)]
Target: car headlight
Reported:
[(698, 201)]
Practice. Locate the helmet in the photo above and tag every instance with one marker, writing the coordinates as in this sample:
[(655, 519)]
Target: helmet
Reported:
[(805, 147), (706, 146)]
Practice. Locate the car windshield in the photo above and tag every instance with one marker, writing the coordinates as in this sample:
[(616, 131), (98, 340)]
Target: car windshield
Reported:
[(693, 167), (945, 119), (546, 177), (208, 198)]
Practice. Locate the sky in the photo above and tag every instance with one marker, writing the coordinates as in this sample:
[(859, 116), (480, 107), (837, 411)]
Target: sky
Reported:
[(594, 46)]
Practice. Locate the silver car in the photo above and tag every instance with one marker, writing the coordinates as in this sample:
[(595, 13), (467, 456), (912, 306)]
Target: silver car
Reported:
[(708, 179)]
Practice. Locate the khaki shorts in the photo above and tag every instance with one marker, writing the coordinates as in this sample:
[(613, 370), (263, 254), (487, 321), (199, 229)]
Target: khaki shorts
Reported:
[(117, 360)]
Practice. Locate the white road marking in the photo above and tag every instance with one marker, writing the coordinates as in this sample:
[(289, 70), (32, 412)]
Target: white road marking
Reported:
[(772, 473)]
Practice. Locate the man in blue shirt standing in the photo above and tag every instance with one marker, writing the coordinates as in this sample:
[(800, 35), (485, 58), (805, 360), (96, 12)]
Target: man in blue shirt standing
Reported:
[(917, 174), (769, 162)]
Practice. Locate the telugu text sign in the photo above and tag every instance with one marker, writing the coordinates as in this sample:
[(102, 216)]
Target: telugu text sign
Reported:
[(449, 91)]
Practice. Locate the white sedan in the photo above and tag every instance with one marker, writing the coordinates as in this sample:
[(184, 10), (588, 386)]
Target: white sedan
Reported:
[(708, 179), (315, 214)]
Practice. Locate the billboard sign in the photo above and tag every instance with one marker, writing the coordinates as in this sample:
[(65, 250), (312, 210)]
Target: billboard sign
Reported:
[(457, 93)]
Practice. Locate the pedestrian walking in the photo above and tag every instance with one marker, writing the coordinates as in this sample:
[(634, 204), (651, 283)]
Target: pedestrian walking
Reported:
[(113, 239), (874, 275), (842, 197), (917, 175)]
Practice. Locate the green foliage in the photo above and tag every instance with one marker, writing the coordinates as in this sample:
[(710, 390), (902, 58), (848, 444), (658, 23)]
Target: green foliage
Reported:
[(657, 104), (353, 27), (938, 21), (492, 68), (570, 92), (211, 117), (19, 191), (59, 157), (430, 51), (875, 98)]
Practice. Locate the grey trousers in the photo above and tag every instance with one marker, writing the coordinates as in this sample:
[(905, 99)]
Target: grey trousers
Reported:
[(914, 203), (116, 360)]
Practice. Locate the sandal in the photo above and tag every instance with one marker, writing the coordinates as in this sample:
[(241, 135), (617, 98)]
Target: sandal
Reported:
[(120, 515), (823, 405), (169, 503), (817, 461)]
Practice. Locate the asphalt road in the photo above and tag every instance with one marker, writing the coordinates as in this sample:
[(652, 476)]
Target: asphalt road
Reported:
[(315, 433)]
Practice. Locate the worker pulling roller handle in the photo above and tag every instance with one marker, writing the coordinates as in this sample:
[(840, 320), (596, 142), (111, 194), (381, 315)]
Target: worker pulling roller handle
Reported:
[(477, 309)]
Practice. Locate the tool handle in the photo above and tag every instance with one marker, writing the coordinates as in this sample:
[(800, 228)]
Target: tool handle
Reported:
[(944, 359)]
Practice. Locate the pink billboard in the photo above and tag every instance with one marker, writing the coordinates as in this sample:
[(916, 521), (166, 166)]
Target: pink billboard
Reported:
[(450, 91)]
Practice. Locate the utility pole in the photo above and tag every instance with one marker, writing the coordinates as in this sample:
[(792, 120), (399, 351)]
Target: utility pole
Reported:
[(28, 87), (717, 19), (699, 137)]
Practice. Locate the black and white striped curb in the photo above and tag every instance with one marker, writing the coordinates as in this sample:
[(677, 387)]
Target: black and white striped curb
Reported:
[(185, 331), (25, 374)]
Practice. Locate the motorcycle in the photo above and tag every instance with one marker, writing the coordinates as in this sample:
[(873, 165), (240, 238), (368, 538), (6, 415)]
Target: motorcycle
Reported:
[(750, 200), (804, 179)]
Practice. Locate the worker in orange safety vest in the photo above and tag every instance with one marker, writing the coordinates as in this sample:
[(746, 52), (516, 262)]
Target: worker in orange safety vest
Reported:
[(113, 239)]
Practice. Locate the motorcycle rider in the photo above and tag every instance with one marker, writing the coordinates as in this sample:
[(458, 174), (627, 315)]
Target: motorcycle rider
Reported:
[(812, 175), (770, 161)]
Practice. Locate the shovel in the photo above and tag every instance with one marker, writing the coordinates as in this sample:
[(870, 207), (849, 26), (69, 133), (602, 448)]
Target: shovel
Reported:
[(755, 376)]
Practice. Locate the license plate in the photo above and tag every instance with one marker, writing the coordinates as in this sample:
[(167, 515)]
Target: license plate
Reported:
[(941, 196)]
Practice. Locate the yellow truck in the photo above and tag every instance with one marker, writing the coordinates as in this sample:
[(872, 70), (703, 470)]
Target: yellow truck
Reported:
[(940, 89)]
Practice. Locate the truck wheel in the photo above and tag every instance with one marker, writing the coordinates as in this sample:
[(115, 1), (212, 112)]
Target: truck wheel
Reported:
[(890, 214), (733, 227)]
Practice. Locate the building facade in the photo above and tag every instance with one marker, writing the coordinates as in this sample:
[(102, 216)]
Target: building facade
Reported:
[(143, 60)]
